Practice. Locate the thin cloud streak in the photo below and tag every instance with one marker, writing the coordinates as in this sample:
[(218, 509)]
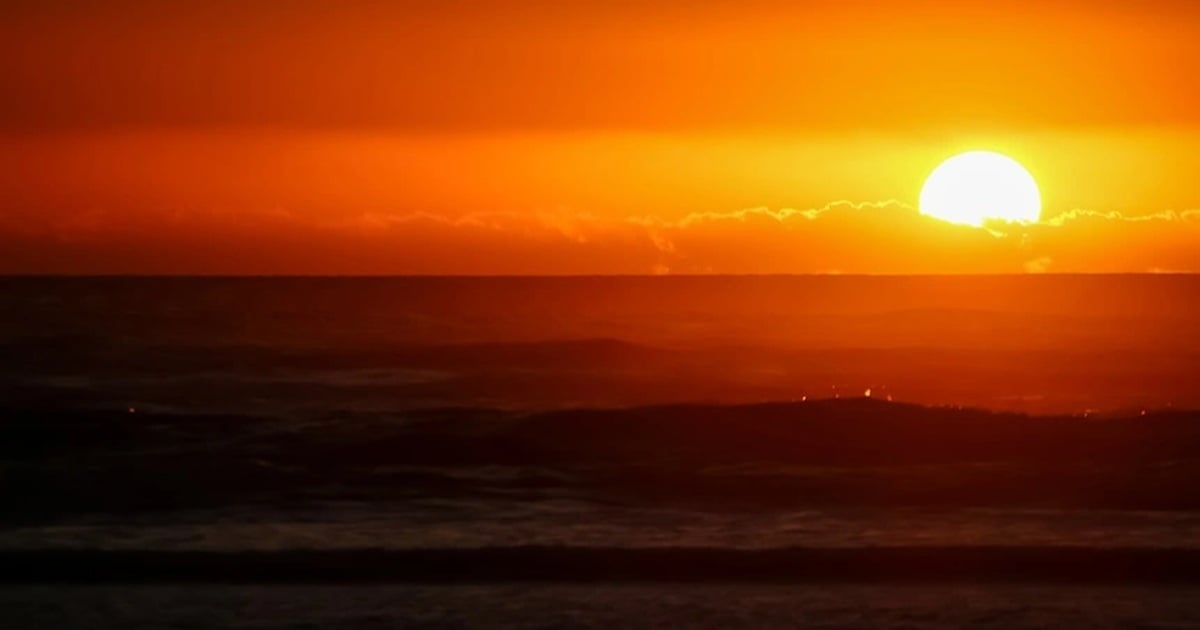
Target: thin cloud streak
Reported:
[(876, 237)]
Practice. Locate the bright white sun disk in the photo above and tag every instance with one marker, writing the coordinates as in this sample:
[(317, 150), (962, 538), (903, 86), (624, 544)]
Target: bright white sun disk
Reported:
[(980, 186)]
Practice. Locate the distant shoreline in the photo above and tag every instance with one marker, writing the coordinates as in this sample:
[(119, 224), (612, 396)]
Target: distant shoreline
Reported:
[(609, 565)]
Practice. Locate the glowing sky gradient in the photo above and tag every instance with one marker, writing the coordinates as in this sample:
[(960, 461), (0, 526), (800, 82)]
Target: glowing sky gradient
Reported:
[(601, 137)]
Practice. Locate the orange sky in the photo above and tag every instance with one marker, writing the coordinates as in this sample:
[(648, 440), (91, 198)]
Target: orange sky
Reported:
[(602, 136)]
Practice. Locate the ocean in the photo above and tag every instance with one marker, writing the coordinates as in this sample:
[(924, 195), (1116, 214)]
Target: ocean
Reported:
[(1000, 451), (926, 607)]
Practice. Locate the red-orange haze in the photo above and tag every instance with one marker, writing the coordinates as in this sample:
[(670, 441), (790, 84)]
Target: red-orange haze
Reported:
[(603, 136)]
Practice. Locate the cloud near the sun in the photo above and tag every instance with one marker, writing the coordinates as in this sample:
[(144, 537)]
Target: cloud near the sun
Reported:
[(841, 237)]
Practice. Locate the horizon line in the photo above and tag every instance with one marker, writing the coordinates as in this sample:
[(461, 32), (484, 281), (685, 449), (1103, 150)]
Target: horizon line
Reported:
[(564, 276)]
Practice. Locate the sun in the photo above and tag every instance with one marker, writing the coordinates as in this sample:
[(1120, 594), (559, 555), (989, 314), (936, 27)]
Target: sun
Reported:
[(979, 186)]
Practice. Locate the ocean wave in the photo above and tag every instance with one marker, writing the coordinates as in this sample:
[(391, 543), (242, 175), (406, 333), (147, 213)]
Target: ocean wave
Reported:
[(736, 458), (591, 565)]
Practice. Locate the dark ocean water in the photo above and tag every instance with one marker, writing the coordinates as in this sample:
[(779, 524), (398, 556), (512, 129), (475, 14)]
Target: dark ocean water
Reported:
[(311, 346), (249, 415), (604, 606)]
